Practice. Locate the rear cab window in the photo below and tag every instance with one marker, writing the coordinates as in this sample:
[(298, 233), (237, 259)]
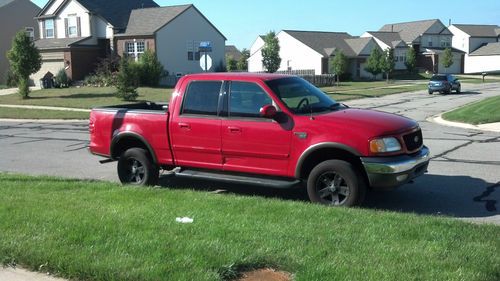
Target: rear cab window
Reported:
[(438, 78), (202, 98)]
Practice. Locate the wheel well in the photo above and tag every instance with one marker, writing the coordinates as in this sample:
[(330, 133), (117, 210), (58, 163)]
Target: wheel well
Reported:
[(324, 154), (125, 143)]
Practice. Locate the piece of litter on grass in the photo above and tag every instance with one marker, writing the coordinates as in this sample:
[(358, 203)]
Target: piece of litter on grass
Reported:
[(184, 220)]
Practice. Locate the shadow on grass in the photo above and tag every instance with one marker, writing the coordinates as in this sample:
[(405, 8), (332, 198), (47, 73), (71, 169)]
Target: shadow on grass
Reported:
[(88, 96), (453, 196)]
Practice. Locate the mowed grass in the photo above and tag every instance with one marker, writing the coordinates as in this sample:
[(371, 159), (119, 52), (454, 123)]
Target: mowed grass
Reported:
[(84, 97), (485, 111), (25, 113), (103, 231)]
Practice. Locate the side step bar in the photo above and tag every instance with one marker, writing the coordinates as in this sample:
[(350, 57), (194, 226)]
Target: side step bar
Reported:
[(241, 179)]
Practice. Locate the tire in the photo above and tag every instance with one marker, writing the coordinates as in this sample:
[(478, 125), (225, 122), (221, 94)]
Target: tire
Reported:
[(459, 89), (430, 92), (336, 183), (135, 167)]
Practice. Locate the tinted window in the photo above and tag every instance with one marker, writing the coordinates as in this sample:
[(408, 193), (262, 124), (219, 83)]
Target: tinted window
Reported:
[(202, 97), (302, 97), (246, 99), (438, 78)]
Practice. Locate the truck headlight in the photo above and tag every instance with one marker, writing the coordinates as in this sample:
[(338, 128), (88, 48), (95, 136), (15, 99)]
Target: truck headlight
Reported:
[(384, 145)]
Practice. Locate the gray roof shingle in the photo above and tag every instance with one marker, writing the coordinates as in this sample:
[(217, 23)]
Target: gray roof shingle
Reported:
[(5, 2), (232, 51), (392, 39), (357, 45), (324, 43), (56, 43), (148, 21), (116, 12), (490, 49), (410, 31), (476, 30)]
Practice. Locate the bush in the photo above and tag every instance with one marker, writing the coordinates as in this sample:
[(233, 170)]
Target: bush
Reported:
[(127, 85), (61, 79), (12, 79), (106, 73), (148, 69)]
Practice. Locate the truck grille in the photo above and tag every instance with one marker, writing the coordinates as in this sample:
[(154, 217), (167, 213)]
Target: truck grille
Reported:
[(413, 141)]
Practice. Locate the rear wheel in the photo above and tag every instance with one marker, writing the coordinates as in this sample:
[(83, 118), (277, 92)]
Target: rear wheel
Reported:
[(136, 167), (430, 92), (459, 89), (336, 183)]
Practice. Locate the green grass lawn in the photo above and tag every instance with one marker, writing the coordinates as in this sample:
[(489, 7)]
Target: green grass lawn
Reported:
[(485, 111), (23, 113), (83, 97), (104, 231)]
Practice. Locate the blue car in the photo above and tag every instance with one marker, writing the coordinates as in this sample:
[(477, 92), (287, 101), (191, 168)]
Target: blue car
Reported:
[(444, 83)]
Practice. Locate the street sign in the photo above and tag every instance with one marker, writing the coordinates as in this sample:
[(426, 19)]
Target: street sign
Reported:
[(205, 62), (205, 46)]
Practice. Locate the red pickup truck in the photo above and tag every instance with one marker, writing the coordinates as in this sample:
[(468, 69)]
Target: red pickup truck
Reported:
[(263, 129)]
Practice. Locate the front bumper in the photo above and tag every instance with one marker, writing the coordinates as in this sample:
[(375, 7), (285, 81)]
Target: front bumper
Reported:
[(391, 172)]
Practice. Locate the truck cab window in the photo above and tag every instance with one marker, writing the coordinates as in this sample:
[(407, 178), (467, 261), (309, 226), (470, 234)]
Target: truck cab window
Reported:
[(202, 98), (246, 100)]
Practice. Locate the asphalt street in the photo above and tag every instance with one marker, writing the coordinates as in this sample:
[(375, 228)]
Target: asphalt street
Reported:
[(463, 179)]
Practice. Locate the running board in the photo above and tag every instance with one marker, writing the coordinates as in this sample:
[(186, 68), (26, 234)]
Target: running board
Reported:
[(229, 178)]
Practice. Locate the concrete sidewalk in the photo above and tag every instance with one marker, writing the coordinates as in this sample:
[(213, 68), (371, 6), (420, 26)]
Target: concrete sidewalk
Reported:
[(10, 91), (19, 274)]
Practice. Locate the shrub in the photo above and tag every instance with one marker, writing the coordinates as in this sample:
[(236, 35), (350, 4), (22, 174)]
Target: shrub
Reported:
[(127, 86), (149, 69), (106, 73), (61, 80)]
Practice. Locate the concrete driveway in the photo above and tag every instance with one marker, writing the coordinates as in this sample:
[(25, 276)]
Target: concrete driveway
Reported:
[(463, 179)]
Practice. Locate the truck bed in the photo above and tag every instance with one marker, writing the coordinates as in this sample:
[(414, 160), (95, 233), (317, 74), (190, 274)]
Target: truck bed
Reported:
[(145, 107)]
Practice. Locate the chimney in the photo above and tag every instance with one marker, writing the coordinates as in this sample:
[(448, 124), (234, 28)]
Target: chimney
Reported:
[(392, 27), (449, 22)]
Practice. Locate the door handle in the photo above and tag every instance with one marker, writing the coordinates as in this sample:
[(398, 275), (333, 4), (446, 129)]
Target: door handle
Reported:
[(184, 126), (234, 129)]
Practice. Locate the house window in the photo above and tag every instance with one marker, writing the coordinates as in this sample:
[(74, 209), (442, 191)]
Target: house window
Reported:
[(429, 42), (30, 32), (135, 49), (445, 42), (193, 53), (72, 26), (49, 28)]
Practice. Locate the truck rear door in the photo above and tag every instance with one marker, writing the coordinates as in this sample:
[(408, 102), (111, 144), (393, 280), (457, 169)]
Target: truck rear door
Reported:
[(195, 126)]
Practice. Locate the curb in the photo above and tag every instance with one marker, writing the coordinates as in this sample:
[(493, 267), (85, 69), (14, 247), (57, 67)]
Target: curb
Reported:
[(45, 107), (491, 127), (43, 120)]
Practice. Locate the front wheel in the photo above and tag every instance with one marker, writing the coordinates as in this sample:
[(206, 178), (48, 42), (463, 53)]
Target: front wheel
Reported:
[(135, 167), (459, 89), (336, 183)]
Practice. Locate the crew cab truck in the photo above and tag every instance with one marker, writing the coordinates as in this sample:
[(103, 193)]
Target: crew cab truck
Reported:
[(264, 129)]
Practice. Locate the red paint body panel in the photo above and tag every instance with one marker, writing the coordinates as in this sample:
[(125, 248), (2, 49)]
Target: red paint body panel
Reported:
[(249, 146)]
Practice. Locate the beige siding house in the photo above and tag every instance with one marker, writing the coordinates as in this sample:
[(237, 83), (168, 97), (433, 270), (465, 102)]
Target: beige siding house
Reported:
[(15, 15), (309, 52), (480, 44), (175, 34), (74, 34)]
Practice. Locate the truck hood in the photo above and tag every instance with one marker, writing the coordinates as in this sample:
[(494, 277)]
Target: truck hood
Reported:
[(369, 123)]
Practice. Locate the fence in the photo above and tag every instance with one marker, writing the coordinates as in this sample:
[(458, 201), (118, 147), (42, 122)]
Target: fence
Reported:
[(323, 80)]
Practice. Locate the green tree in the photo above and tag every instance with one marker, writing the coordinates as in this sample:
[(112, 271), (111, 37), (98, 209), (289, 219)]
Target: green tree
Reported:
[(242, 64), (338, 65), (231, 63), (447, 58), (150, 69), (127, 84), (387, 63), (271, 53), (373, 63), (411, 60), (24, 60)]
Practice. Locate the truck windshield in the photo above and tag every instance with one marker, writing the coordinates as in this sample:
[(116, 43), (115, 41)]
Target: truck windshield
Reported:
[(301, 97)]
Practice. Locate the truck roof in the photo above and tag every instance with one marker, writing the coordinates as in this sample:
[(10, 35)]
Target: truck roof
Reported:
[(237, 76)]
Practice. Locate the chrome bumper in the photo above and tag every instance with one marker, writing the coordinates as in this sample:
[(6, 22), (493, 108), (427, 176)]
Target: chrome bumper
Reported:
[(390, 172)]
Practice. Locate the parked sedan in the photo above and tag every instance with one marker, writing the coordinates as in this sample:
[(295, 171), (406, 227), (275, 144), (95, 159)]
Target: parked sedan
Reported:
[(444, 83)]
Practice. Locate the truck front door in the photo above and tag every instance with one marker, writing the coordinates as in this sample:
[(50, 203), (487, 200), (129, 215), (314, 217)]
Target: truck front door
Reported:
[(251, 143)]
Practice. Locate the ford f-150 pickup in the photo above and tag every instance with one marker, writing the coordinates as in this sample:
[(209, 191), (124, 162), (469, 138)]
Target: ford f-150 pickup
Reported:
[(263, 129)]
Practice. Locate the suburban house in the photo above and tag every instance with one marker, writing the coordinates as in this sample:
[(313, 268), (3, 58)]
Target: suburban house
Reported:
[(309, 52), (15, 15), (233, 52), (480, 44), (391, 40), (175, 33), (429, 38), (74, 34)]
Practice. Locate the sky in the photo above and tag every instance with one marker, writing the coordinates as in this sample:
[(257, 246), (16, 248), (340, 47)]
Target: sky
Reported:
[(242, 21)]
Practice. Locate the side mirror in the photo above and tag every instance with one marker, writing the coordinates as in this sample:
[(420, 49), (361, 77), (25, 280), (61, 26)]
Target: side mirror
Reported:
[(268, 111)]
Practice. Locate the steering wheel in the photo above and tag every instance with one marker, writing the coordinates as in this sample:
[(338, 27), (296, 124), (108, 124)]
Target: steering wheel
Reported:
[(302, 102)]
